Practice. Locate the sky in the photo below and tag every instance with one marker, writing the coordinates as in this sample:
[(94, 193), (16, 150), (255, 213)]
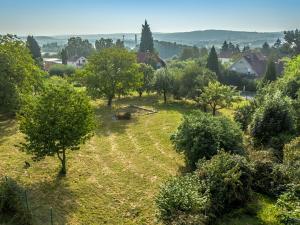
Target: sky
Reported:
[(59, 17)]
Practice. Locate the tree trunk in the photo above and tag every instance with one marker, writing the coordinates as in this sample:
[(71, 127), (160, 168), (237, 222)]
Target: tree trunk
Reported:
[(63, 163), (214, 111), (165, 97), (140, 93), (109, 101)]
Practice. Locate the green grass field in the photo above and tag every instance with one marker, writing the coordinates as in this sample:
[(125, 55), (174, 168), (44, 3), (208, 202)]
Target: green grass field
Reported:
[(113, 178)]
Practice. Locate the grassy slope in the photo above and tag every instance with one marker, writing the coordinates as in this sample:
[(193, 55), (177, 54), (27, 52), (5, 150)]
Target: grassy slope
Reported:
[(114, 178)]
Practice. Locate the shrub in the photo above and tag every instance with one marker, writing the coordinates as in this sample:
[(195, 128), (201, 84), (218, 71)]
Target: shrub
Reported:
[(243, 114), (291, 158), (228, 178), (183, 200), (13, 208), (202, 135), (61, 70), (269, 178), (273, 122), (289, 206)]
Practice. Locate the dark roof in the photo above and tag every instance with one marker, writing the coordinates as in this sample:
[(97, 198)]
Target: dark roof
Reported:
[(144, 57), (258, 62)]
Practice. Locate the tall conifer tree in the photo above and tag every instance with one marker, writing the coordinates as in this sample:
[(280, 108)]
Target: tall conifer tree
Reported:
[(146, 39), (212, 61)]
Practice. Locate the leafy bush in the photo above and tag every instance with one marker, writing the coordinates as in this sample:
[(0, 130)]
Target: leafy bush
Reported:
[(61, 70), (243, 114), (269, 178), (291, 158), (289, 206), (228, 178), (183, 200), (13, 208), (202, 135), (273, 122)]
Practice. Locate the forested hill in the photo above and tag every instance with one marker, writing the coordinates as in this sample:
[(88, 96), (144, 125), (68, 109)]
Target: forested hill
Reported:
[(199, 38)]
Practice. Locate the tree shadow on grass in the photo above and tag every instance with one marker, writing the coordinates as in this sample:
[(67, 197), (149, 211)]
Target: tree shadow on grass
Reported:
[(7, 127), (54, 194)]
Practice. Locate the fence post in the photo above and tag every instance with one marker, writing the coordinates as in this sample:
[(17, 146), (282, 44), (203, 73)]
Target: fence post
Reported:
[(51, 216)]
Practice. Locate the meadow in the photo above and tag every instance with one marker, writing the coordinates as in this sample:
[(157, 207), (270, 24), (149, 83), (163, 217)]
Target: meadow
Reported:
[(115, 176)]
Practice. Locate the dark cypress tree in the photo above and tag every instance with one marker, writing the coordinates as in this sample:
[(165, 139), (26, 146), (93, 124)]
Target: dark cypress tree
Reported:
[(64, 56), (271, 73), (146, 39), (225, 47), (34, 48), (213, 62)]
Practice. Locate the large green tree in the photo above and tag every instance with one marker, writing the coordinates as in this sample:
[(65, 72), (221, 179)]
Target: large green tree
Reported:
[(271, 73), (213, 62), (146, 39), (293, 40), (76, 47), (104, 43), (19, 74), (147, 81), (112, 72), (35, 49), (58, 120)]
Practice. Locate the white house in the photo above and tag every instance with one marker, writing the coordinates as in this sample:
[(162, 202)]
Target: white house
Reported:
[(250, 64), (77, 61)]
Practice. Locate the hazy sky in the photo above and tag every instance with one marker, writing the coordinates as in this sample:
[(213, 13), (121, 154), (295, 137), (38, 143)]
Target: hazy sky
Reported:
[(52, 17)]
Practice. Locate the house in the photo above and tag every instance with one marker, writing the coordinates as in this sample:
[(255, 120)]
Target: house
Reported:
[(252, 64), (77, 61), (150, 58), (48, 62)]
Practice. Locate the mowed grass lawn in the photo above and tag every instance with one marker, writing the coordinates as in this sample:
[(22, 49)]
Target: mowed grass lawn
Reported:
[(113, 178)]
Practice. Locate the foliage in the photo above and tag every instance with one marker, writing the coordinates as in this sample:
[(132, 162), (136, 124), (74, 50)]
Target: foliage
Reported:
[(194, 79), (183, 200), (104, 43), (13, 207), (148, 77), (291, 158), (64, 56), (228, 179), (35, 50), (289, 206), (112, 71), (19, 74), (58, 120), (271, 73), (273, 122), (190, 53), (76, 47), (213, 62), (146, 39), (163, 82), (202, 135), (269, 178), (218, 96), (293, 40), (243, 114), (61, 70)]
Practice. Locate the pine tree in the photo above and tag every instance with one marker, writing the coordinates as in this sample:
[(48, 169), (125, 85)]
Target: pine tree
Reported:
[(225, 47), (271, 73), (277, 44), (212, 61), (64, 56), (146, 39), (34, 48)]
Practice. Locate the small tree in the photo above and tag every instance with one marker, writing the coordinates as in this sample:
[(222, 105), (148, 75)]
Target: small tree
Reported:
[(60, 119), (148, 76), (218, 96), (64, 56), (163, 83)]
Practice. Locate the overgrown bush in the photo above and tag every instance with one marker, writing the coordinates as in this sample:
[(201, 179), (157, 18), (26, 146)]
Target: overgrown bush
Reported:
[(202, 135), (243, 114), (13, 206), (291, 158), (269, 178), (273, 122), (289, 206), (228, 178), (61, 70), (183, 200)]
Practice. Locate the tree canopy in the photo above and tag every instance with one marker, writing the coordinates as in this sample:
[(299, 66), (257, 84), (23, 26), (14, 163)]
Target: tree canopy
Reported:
[(76, 47), (146, 39)]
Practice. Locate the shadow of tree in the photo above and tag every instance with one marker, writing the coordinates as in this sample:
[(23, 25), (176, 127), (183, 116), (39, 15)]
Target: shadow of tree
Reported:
[(54, 194)]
